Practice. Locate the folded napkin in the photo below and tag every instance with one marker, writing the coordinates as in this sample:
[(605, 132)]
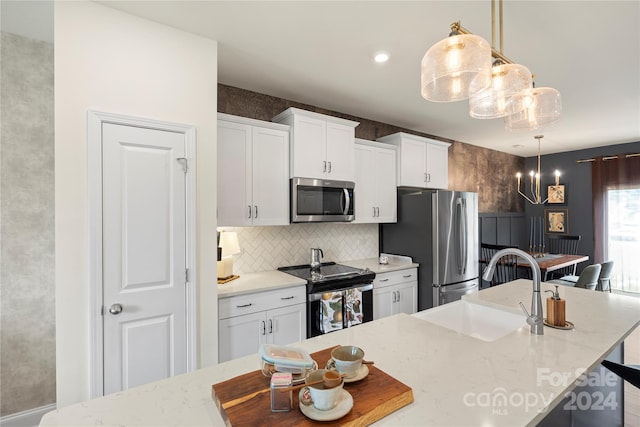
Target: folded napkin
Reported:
[(353, 302), (331, 309)]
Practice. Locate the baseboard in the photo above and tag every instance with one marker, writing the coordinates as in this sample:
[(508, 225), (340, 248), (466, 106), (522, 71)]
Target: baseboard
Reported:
[(29, 418)]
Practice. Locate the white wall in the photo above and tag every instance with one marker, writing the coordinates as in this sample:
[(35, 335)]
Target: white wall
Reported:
[(110, 61)]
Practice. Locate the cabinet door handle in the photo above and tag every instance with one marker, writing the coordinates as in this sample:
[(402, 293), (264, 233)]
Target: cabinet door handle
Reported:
[(255, 211), (285, 298), (329, 167), (394, 296), (374, 211), (270, 326), (249, 211), (378, 211), (398, 296), (406, 276), (264, 328), (428, 177), (324, 166), (425, 177), (384, 280), (244, 305)]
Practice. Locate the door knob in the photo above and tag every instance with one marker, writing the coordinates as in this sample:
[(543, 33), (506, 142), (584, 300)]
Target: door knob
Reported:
[(115, 308)]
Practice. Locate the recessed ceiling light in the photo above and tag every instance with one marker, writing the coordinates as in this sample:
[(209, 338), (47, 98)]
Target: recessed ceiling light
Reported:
[(381, 57), (517, 145)]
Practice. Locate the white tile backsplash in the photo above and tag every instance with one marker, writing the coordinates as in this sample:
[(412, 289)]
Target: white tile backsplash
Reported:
[(267, 248)]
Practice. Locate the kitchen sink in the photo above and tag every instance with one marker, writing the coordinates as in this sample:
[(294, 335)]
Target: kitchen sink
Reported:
[(486, 323)]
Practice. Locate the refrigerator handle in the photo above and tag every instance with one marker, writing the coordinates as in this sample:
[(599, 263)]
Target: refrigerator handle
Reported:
[(461, 228), (465, 236)]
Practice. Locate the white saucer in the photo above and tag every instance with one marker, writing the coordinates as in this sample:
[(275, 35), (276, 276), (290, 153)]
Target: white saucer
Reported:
[(342, 408), (363, 371)]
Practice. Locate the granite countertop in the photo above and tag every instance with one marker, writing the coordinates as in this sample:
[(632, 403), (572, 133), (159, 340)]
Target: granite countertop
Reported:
[(449, 372)]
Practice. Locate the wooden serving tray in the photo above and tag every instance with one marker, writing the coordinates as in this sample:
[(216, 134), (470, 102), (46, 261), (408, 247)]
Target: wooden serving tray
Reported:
[(246, 399)]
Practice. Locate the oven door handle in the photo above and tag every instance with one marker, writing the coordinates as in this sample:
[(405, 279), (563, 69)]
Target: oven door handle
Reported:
[(318, 296)]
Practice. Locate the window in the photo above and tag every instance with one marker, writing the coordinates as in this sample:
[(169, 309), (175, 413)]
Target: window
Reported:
[(615, 186), (623, 237)]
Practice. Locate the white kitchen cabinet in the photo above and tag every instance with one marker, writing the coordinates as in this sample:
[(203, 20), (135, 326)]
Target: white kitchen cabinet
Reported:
[(395, 292), (253, 178), (321, 146), (248, 321), (376, 190), (422, 162)]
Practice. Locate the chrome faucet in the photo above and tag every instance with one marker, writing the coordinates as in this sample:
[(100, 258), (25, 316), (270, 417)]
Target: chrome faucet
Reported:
[(535, 318)]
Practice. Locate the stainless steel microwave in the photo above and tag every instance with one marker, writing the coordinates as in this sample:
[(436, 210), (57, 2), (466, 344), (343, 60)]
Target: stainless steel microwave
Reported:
[(321, 200)]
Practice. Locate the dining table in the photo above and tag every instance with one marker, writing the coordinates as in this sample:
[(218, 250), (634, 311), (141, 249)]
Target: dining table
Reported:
[(552, 262)]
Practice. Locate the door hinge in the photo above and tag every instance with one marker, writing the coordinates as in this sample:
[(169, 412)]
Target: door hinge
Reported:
[(184, 161), (186, 276)]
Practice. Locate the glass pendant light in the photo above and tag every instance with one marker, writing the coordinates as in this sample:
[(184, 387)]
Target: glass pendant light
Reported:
[(450, 65), (459, 67), (543, 107), (504, 95)]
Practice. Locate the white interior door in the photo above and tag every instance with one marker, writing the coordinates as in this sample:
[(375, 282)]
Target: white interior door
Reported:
[(144, 255)]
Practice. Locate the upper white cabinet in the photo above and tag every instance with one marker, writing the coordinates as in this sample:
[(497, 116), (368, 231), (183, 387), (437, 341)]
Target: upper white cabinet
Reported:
[(253, 179), (376, 190), (322, 146), (422, 162)]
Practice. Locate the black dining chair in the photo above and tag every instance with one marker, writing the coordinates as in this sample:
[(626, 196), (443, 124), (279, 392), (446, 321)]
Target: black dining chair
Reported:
[(629, 373), (566, 245), (506, 268)]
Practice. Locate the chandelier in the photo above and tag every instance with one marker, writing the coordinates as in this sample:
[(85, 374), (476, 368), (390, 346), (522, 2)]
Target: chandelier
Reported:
[(536, 199), (460, 67)]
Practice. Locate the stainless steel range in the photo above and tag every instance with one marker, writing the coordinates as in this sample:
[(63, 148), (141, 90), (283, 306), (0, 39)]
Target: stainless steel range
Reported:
[(338, 296)]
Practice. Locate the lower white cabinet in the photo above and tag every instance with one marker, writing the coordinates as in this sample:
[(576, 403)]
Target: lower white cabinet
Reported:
[(248, 321), (395, 292)]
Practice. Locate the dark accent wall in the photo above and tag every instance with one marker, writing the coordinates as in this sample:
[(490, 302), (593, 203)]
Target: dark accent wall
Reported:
[(471, 168), (506, 229), (577, 180)]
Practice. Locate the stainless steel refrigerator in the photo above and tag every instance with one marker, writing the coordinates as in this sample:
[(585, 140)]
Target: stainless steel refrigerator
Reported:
[(439, 230)]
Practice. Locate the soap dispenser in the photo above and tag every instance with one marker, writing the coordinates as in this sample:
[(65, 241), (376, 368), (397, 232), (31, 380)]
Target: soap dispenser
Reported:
[(556, 309)]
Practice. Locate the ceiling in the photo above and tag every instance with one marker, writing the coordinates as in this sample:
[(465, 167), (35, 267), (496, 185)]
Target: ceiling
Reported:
[(321, 53)]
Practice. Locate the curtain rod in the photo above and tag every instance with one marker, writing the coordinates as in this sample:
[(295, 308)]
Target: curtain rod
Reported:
[(608, 158)]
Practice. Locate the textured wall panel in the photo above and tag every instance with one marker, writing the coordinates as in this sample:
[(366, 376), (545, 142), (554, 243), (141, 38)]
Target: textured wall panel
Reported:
[(27, 306)]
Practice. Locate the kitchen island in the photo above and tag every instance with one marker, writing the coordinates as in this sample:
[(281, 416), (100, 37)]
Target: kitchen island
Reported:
[(456, 379)]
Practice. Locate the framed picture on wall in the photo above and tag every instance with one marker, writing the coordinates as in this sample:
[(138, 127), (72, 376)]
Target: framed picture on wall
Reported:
[(556, 221), (557, 194)]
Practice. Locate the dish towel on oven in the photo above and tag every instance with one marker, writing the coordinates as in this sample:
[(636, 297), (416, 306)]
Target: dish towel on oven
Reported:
[(331, 312), (353, 302)]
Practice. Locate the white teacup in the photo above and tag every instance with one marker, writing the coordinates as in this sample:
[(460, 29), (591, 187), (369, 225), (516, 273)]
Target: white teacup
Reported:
[(324, 399), (347, 360)]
